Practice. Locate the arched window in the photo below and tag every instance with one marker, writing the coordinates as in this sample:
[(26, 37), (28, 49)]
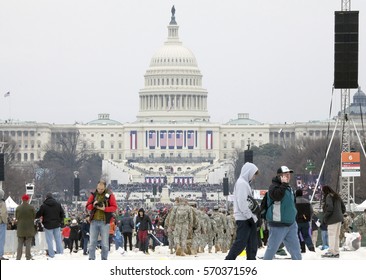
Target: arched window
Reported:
[(102, 144)]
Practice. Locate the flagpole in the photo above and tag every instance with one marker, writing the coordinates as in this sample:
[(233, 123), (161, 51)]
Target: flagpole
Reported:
[(5, 96)]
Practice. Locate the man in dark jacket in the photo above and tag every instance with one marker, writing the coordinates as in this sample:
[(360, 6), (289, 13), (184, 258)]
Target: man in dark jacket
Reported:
[(25, 215), (126, 228), (303, 219), (85, 227), (53, 216)]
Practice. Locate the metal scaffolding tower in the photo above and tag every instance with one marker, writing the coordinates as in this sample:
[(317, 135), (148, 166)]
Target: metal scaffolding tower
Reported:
[(345, 183)]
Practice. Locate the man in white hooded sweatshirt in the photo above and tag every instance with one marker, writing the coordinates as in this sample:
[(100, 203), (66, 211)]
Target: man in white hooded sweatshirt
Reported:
[(246, 228)]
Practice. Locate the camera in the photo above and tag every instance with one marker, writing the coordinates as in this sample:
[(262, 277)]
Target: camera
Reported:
[(99, 204)]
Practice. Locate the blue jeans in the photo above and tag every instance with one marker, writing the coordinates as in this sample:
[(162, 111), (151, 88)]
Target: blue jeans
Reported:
[(2, 238), (304, 232), (96, 228), (85, 244), (246, 238), (54, 234), (287, 235), (324, 234)]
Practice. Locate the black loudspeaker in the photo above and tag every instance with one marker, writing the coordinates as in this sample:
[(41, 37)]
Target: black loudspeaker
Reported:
[(225, 184), (346, 49), (248, 156), (154, 189), (2, 168), (76, 186)]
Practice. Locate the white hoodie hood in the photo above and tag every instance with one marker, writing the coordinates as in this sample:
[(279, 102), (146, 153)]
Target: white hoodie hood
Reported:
[(242, 190)]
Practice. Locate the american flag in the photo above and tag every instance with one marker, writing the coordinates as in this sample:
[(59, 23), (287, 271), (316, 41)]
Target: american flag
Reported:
[(163, 139), (190, 139), (179, 139), (171, 140), (152, 139)]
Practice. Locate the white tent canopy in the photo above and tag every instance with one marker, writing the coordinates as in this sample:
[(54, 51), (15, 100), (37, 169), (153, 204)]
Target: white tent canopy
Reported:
[(10, 204), (361, 206)]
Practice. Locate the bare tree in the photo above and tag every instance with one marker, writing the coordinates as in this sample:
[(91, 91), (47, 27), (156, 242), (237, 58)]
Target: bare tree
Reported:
[(66, 154)]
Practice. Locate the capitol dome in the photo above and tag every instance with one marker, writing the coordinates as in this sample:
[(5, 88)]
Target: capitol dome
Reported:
[(173, 55), (173, 84)]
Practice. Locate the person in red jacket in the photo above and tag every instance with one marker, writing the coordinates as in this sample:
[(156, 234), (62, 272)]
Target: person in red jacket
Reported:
[(101, 204), (66, 235)]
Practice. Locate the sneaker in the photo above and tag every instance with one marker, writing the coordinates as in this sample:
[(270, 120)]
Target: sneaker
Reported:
[(330, 255), (281, 252), (3, 259)]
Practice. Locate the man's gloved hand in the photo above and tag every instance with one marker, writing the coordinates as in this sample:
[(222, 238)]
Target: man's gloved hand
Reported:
[(251, 222)]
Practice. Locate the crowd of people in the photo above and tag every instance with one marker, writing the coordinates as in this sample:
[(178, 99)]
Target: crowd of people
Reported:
[(285, 219)]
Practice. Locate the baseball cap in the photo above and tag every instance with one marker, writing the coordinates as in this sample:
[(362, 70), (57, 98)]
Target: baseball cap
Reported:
[(284, 169)]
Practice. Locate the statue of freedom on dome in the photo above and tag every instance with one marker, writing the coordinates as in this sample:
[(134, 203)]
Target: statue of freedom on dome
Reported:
[(173, 11)]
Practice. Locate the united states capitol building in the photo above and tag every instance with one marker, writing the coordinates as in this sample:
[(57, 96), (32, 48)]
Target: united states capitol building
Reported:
[(172, 135)]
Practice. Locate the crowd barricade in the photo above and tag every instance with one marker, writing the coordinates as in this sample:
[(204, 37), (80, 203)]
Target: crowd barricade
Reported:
[(11, 243)]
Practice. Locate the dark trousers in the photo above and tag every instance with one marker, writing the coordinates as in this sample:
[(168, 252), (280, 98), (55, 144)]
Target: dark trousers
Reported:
[(246, 238), (143, 239), (304, 236), (67, 242), (85, 244), (128, 236), (27, 241), (72, 242)]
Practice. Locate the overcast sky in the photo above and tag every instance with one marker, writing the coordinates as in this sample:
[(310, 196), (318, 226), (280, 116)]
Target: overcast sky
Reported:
[(65, 61)]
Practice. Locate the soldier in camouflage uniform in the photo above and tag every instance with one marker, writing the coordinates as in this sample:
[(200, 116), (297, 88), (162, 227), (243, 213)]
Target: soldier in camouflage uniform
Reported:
[(212, 231), (168, 228), (181, 221), (197, 228), (189, 245), (345, 227), (227, 229), (205, 228), (220, 244), (360, 223), (231, 226)]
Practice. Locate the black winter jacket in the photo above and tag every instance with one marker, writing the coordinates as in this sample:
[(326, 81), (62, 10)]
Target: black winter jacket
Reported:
[(52, 213)]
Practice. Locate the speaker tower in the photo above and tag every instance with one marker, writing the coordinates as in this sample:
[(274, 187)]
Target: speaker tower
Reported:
[(346, 49)]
